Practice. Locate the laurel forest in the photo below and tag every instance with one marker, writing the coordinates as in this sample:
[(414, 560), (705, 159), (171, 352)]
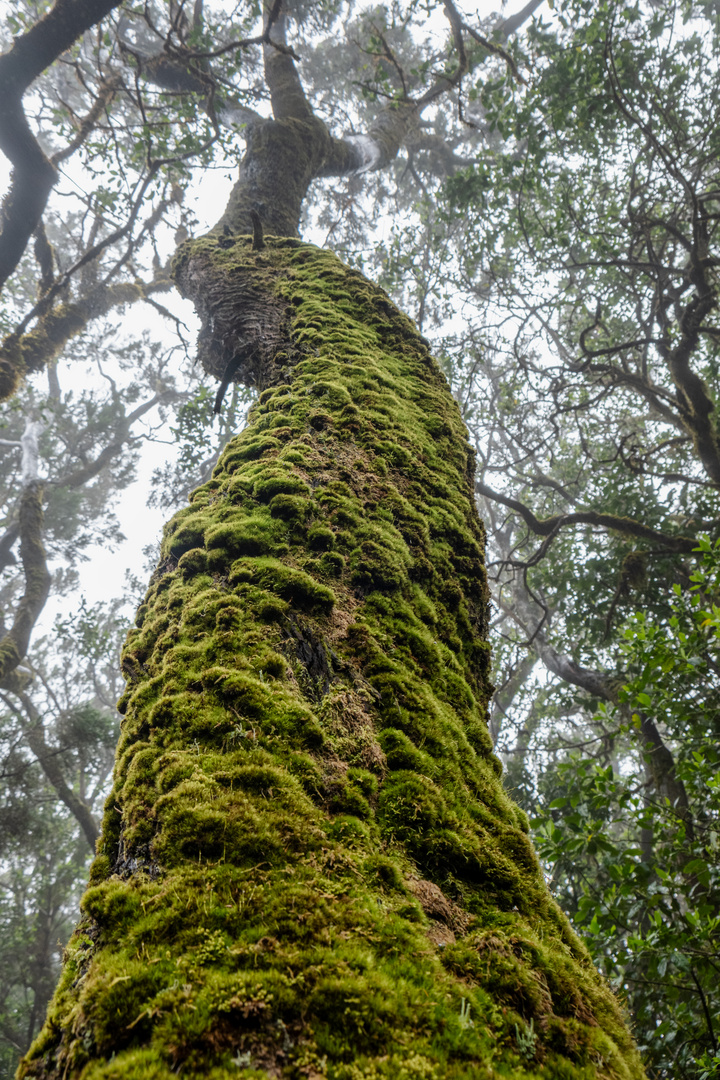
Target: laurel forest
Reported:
[(410, 313)]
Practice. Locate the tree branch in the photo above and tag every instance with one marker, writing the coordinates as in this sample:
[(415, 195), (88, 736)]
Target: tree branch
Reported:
[(600, 685), (505, 695), (286, 91), (47, 758), (627, 526), (508, 27), (32, 351), (108, 89), (379, 146)]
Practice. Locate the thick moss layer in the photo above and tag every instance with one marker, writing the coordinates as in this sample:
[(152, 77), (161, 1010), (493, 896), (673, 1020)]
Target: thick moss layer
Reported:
[(308, 866)]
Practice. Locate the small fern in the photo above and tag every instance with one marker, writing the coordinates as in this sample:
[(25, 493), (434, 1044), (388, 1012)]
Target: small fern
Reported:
[(526, 1041)]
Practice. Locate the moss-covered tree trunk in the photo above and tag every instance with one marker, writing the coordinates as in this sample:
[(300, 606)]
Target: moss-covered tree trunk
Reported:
[(308, 865)]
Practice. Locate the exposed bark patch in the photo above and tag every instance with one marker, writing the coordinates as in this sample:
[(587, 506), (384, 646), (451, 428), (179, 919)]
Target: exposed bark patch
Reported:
[(441, 935), (317, 659), (135, 861), (244, 335), (351, 728)]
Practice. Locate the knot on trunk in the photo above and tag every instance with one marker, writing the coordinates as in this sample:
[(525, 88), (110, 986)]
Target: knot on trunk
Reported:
[(245, 335)]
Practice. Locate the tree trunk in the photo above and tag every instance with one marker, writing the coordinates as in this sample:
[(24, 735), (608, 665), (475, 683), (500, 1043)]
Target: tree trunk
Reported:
[(308, 866)]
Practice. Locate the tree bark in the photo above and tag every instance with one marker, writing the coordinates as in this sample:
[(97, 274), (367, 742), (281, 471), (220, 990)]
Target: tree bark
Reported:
[(33, 173)]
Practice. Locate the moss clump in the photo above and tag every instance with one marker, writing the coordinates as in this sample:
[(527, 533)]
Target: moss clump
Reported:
[(193, 562), (320, 538), (308, 866)]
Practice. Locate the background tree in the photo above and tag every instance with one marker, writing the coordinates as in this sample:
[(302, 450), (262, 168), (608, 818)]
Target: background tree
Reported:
[(58, 740)]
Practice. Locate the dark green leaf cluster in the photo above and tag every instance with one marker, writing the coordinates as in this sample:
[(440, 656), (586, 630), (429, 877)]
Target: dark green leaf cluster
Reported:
[(641, 875)]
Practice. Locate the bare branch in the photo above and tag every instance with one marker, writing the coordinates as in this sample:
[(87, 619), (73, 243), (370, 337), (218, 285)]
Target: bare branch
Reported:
[(627, 526)]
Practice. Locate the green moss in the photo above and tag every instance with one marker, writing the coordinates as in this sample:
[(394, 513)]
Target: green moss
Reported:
[(275, 483), (251, 536), (401, 753), (290, 507), (332, 564), (375, 566), (386, 871), (289, 583), (193, 562), (186, 533), (308, 866)]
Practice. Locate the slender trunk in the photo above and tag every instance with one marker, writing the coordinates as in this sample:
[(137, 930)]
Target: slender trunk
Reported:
[(504, 697), (41, 962)]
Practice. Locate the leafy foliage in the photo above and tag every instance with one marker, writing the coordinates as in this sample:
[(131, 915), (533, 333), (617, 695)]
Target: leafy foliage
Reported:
[(642, 877)]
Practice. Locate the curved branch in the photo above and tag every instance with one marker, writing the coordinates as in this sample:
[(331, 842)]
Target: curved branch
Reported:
[(497, 50), (108, 89), (7, 542), (47, 758), (375, 149), (81, 476), (186, 71), (627, 526), (447, 82), (660, 759), (508, 27), (12, 368), (75, 478), (378, 147), (287, 96), (697, 406), (33, 350), (600, 685)]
